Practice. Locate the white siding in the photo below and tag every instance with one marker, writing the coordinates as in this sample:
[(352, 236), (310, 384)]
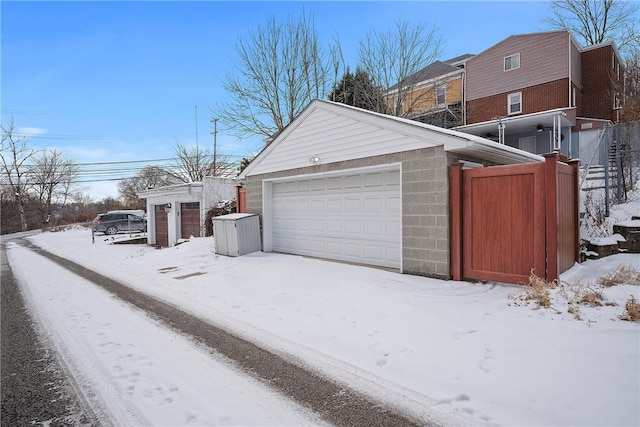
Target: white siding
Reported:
[(544, 57), (348, 137)]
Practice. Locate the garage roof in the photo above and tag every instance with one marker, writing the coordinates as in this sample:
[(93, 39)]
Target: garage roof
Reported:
[(328, 132)]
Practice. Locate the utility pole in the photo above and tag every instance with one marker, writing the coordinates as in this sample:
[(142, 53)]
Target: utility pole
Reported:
[(196, 115), (215, 146)]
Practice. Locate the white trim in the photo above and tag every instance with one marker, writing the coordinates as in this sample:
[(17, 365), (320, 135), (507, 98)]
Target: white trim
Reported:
[(374, 168), (267, 216)]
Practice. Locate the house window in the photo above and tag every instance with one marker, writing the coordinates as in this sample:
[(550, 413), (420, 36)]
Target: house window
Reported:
[(573, 104), (514, 103), (441, 94), (512, 62)]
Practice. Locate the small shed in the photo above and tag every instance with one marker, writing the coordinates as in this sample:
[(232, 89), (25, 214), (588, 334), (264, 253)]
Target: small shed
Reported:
[(178, 211), (237, 234)]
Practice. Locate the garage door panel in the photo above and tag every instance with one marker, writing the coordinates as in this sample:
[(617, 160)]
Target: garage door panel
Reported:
[(334, 225), (354, 217), (334, 249), (334, 205), (303, 205), (334, 182), (373, 253), (373, 180), (352, 250), (318, 205), (393, 228), (374, 203), (352, 204), (374, 228), (354, 181), (353, 226), (302, 186), (393, 204)]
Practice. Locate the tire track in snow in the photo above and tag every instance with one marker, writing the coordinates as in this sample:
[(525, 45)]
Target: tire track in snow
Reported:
[(333, 402)]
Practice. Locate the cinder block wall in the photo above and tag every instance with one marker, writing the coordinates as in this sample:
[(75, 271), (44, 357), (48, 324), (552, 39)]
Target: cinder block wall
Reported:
[(425, 213), (425, 204)]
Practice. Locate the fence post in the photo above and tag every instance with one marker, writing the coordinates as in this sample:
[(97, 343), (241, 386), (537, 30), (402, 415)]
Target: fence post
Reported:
[(575, 165), (619, 170), (551, 214), (607, 149), (455, 207)]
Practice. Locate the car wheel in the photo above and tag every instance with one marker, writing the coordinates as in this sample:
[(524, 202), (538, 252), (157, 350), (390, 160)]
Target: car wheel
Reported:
[(111, 230)]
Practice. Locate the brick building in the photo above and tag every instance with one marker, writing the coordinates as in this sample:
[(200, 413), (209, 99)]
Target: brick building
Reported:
[(542, 92)]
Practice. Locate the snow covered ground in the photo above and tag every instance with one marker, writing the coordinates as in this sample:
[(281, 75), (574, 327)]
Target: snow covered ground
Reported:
[(461, 353)]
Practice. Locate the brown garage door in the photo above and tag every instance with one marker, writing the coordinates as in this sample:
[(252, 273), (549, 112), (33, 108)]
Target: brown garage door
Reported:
[(162, 226), (190, 219)]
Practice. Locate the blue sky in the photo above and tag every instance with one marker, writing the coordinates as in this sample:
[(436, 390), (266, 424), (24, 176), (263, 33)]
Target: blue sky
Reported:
[(120, 81)]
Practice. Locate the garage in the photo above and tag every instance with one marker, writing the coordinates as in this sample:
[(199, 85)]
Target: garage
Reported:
[(348, 184), (352, 216)]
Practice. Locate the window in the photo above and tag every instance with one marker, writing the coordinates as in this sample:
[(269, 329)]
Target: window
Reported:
[(512, 62), (514, 103), (573, 97), (441, 94), (527, 143)]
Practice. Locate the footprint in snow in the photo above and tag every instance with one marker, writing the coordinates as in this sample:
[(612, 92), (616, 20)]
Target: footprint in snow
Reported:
[(487, 364)]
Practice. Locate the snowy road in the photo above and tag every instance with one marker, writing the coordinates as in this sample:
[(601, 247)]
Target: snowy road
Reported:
[(133, 370)]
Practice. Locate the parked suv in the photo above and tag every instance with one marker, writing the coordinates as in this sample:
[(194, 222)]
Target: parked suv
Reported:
[(116, 222)]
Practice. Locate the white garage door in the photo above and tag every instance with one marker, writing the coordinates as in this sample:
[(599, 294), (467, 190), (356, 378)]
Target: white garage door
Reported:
[(354, 217)]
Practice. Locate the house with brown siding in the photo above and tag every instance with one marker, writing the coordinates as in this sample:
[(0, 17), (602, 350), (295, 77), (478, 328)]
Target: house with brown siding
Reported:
[(542, 92), (433, 95)]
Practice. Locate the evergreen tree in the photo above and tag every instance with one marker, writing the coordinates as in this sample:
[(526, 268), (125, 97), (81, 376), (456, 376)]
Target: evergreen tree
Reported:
[(359, 91)]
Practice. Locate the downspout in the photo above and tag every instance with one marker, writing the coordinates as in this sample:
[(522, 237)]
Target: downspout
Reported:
[(569, 99), (570, 71), (464, 95)]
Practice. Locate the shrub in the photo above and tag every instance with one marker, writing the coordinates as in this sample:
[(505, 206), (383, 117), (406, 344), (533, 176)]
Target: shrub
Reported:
[(631, 310), (621, 275)]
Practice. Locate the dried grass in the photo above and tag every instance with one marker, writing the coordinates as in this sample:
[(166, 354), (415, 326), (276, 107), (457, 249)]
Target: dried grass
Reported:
[(540, 291), (622, 275), (631, 310)]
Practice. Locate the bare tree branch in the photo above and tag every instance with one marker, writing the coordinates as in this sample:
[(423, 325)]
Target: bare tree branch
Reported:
[(392, 57), (14, 156), (282, 68), (598, 21), (53, 177)]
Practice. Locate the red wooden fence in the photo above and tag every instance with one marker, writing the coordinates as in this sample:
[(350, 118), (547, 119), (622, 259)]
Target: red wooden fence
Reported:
[(509, 220)]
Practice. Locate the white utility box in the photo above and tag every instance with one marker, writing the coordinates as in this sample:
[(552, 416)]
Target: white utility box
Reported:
[(237, 234)]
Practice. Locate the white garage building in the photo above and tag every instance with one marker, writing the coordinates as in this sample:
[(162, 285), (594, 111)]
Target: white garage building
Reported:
[(348, 184)]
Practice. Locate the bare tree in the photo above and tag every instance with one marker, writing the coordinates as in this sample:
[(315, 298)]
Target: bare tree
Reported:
[(54, 177), (149, 177), (15, 155), (597, 21), (282, 68), (390, 58), (631, 109), (193, 164)]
